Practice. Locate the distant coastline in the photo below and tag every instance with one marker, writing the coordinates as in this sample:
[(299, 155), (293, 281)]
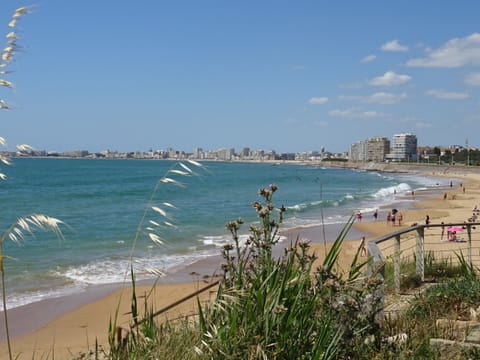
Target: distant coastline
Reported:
[(390, 167)]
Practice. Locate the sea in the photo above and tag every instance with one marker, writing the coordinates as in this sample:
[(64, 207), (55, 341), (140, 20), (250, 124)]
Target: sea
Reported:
[(109, 208)]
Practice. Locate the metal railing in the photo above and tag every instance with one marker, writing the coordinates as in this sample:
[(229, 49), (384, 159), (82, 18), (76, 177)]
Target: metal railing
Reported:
[(416, 242)]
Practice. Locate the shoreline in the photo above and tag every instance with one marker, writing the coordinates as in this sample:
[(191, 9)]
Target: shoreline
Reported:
[(28, 318), (67, 323)]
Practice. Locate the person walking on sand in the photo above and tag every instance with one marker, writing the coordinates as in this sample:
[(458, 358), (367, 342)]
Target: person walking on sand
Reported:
[(363, 248), (427, 220), (375, 215), (399, 218)]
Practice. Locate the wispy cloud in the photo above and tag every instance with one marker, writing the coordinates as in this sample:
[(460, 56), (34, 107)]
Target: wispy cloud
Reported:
[(446, 95), (385, 98), (394, 46), (352, 113), (454, 53), (368, 58), (318, 100), (390, 78), (472, 79)]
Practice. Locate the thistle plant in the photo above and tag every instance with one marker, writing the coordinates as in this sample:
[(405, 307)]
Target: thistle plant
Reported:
[(281, 307), (266, 306)]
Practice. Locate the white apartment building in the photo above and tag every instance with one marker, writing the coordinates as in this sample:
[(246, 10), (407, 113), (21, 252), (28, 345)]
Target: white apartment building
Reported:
[(404, 147)]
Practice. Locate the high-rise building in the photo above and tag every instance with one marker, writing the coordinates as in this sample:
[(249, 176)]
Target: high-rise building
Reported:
[(404, 147), (373, 149)]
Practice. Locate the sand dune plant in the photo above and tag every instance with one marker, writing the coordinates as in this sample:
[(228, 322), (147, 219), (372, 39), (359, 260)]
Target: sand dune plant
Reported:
[(158, 214), (17, 232), (24, 226), (10, 50), (271, 307)]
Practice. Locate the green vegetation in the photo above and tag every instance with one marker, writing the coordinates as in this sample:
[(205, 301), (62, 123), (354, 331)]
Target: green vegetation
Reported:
[(436, 270), (267, 306), (270, 307)]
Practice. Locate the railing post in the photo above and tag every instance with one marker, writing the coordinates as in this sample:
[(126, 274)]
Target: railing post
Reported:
[(419, 253), (469, 254), (396, 264)]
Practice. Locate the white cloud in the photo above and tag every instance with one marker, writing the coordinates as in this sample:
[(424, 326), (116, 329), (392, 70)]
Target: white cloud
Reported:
[(318, 100), (390, 79), (351, 113), (454, 53), (446, 95), (395, 46), (472, 79), (385, 98), (368, 58)]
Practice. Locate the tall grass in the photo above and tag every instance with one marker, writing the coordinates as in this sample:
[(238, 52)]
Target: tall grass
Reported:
[(27, 225)]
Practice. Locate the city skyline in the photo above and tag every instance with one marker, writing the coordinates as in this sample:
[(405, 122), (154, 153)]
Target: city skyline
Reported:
[(286, 76)]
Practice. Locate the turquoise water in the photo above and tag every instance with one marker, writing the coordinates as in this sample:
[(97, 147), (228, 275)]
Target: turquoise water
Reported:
[(103, 202)]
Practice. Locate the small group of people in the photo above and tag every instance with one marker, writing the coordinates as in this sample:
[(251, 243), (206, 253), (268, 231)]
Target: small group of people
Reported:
[(394, 217), (475, 213)]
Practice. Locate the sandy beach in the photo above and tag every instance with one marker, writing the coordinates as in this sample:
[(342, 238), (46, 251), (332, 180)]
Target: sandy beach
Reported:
[(60, 328)]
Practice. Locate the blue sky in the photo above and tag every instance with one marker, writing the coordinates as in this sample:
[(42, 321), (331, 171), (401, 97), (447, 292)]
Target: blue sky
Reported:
[(284, 75)]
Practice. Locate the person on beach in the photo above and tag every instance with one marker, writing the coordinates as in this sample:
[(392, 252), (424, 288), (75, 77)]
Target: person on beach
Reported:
[(359, 216), (375, 215), (443, 231), (453, 236), (363, 248), (399, 218), (389, 218), (393, 219), (445, 196), (427, 220)]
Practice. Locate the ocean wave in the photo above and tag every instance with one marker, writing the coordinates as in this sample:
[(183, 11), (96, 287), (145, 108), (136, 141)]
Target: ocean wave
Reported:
[(221, 241), (297, 208), (401, 188), (108, 271), (24, 298)]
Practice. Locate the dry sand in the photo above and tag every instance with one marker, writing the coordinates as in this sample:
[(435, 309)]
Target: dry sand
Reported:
[(75, 329)]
